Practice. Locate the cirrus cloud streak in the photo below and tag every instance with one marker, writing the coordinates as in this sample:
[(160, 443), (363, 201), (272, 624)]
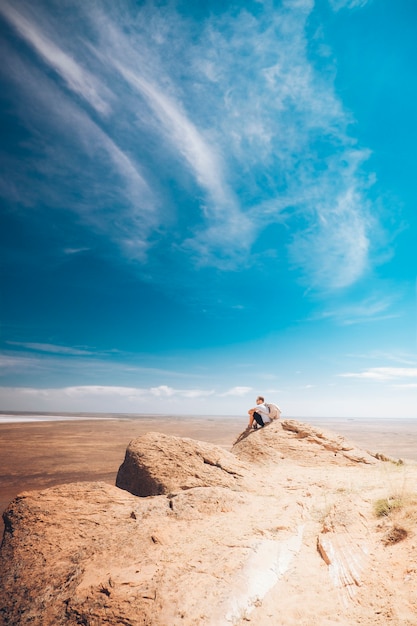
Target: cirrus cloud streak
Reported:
[(249, 147)]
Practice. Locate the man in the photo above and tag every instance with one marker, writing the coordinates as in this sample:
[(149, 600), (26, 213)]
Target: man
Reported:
[(259, 414)]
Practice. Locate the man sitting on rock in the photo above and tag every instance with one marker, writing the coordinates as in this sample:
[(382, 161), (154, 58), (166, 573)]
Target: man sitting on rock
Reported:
[(259, 414)]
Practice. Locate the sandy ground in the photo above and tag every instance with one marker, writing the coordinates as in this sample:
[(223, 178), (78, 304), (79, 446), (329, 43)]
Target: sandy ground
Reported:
[(43, 454)]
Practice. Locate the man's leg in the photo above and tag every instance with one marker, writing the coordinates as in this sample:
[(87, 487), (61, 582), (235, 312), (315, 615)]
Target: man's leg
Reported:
[(258, 419)]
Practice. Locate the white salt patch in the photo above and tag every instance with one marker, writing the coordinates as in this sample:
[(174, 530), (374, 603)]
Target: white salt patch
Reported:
[(264, 567), (6, 418)]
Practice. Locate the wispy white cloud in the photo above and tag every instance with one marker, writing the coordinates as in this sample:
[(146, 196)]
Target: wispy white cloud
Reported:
[(380, 355), (384, 373), (406, 386), (165, 391), (374, 308), (99, 390), (237, 391), (348, 4), (51, 348), (103, 365), (120, 203), (78, 79), (227, 225), (199, 155), (337, 243), (70, 251), (251, 145), (18, 363), (103, 398), (274, 113), (261, 119)]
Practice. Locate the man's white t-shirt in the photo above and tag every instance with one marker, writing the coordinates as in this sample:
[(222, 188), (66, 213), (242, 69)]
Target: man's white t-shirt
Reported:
[(264, 411)]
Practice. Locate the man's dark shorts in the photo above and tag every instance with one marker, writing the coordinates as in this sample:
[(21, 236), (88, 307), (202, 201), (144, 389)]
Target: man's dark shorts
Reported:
[(258, 419)]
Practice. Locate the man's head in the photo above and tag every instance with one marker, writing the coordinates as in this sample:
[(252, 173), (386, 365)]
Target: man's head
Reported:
[(260, 400)]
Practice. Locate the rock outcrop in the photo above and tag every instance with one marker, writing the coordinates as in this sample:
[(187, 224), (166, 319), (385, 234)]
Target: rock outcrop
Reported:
[(328, 441), (277, 533), (156, 464), (300, 442)]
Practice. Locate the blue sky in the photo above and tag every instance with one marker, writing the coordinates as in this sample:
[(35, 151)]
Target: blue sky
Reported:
[(203, 202)]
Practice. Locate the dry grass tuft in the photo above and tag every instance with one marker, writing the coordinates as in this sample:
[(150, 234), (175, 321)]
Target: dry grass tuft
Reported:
[(388, 459), (385, 506), (400, 513)]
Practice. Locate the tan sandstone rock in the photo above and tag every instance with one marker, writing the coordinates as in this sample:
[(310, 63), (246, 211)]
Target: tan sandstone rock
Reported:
[(279, 533), (300, 442), (156, 463)]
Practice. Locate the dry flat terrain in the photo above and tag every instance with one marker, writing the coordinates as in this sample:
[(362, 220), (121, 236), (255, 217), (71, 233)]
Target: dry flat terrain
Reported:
[(293, 526)]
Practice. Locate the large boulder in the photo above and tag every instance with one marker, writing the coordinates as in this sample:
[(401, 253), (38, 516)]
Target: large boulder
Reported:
[(157, 464)]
